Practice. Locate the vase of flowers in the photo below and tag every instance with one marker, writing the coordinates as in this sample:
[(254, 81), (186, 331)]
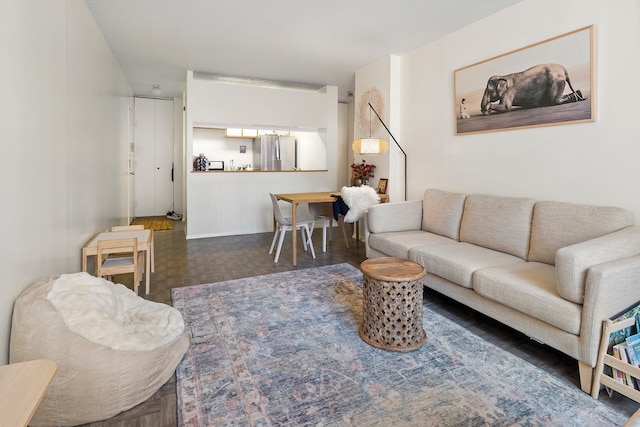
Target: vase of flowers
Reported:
[(361, 173)]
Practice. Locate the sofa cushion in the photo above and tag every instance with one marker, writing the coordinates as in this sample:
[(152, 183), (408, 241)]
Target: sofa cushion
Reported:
[(457, 262), (530, 288), (442, 212), (399, 243), (557, 224), (500, 223), (397, 216)]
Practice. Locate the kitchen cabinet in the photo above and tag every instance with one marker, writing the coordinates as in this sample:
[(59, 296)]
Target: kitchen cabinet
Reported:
[(241, 133)]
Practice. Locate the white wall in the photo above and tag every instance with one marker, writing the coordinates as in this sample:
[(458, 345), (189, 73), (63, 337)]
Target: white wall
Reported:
[(64, 142), (228, 203), (594, 163), (384, 75), (178, 155)]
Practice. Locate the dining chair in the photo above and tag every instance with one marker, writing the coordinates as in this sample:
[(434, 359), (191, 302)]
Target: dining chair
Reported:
[(127, 227), (323, 211), (125, 261), (304, 224)]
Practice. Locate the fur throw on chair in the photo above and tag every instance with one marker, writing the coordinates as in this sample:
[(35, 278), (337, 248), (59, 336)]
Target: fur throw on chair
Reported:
[(358, 199)]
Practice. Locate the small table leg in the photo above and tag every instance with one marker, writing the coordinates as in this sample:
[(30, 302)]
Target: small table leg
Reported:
[(294, 208)]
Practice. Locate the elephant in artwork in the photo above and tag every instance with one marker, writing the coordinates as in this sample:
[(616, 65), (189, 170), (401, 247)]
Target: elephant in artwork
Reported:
[(539, 86)]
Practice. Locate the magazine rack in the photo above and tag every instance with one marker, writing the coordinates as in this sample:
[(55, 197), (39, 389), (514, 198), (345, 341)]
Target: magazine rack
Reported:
[(599, 377)]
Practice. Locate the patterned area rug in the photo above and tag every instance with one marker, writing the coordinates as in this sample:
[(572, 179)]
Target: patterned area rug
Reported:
[(156, 223), (284, 349)]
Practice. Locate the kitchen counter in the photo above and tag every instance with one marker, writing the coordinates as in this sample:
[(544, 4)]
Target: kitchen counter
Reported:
[(227, 203), (258, 170)]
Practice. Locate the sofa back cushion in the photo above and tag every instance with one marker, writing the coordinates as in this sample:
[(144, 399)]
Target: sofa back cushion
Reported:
[(558, 224), (442, 212), (499, 223)]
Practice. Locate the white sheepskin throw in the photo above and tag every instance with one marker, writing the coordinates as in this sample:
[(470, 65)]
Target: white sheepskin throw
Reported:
[(358, 199), (112, 315)]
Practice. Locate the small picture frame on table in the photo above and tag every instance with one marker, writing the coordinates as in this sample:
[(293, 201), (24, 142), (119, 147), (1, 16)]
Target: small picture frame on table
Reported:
[(382, 185)]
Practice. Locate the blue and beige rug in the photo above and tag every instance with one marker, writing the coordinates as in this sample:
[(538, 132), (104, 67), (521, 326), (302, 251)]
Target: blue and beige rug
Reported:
[(284, 349)]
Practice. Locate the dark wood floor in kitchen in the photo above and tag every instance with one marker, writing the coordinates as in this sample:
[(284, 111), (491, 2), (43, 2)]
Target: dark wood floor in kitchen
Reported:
[(180, 262)]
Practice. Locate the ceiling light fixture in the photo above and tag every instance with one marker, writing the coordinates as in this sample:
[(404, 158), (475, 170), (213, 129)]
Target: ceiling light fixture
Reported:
[(156, 91), (350, 97)]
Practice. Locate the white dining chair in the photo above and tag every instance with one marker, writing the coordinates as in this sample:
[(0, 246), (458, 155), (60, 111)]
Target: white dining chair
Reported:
[(324, 212), (303, 223)]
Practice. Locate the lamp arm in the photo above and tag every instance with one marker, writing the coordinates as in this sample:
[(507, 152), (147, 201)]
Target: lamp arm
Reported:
[(394, 140), (388, 131)]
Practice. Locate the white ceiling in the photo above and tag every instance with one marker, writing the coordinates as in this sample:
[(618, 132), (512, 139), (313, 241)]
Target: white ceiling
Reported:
[(308, 42)]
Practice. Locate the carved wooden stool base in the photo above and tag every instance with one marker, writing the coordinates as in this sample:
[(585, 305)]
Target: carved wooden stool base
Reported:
[(392, 304)]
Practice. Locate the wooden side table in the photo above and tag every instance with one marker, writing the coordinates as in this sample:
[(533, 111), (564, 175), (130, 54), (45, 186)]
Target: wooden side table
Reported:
[(392, 304), (22, 387)]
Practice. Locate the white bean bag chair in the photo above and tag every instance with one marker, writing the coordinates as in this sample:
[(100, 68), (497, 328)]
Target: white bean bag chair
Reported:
[(113, 348)]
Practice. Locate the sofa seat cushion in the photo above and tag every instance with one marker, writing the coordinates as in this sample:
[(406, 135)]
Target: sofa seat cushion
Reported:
[(531, 289), (499, 223), (399, 243), (456, 262)]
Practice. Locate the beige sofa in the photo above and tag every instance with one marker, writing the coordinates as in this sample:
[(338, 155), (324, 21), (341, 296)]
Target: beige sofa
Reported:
[(553, 271)]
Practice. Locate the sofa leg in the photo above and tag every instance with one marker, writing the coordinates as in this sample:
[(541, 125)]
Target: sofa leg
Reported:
[(586, 376)]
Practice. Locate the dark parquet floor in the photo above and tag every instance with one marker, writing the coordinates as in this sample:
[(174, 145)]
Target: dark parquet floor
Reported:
[(181, 262)]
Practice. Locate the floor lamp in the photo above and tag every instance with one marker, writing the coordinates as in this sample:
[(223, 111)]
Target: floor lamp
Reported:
[(378, 146)]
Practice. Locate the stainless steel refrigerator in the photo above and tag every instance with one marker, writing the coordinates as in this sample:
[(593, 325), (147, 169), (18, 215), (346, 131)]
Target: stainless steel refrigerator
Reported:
[(275, 152)]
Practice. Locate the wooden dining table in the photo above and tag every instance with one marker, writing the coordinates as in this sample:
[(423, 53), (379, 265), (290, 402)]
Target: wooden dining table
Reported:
[(145, 243), (297, 198)]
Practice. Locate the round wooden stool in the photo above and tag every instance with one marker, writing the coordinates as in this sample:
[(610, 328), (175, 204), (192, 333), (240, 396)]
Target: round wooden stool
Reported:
[(392, 304)]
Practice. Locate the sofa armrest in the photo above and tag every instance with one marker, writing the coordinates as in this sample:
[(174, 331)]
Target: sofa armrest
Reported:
[(398, 216), (611, 288), (573, 262)]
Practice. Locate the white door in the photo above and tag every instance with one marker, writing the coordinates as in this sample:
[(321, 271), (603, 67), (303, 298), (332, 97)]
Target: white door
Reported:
[(163, 179), (153, 157)]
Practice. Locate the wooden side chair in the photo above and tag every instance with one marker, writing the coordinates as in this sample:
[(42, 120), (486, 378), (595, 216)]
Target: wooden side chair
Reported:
[(125, 261), (137, 227)]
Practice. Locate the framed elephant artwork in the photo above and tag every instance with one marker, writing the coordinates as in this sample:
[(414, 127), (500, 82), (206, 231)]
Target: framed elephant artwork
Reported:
[(547, 83)]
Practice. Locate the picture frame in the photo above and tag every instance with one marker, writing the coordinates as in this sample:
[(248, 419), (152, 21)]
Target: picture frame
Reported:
[(382, 185), (551, 82)]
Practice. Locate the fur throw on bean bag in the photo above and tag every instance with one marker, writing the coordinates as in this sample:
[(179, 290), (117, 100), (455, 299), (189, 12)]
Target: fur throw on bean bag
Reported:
[(358, 199)]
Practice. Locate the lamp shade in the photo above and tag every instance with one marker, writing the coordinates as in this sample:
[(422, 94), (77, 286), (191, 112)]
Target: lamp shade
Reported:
[(370, 146)]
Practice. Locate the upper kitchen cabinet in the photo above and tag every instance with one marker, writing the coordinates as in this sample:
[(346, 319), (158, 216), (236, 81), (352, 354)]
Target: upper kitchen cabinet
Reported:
[(241, 133)]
